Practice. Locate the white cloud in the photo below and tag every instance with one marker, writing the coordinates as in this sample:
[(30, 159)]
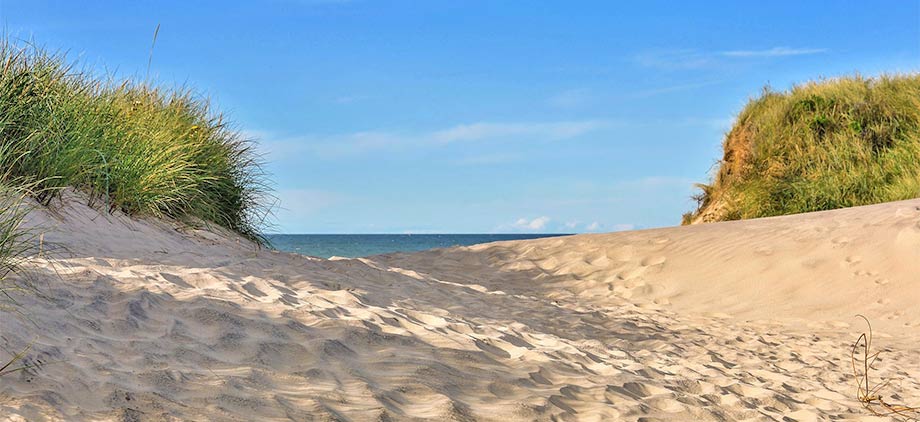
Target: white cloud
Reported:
[(694, 59), (623, 227), (280, 147), (774, 52), (483, 130), (571, 224), (536, 224), (595, 226)]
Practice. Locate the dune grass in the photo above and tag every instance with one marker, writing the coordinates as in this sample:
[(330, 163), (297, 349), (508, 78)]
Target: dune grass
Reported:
[(132, 146), (818, 146), (15, 242)]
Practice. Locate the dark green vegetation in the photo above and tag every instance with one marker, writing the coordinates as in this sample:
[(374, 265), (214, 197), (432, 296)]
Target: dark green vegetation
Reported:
[(131, 146), (819, 146)]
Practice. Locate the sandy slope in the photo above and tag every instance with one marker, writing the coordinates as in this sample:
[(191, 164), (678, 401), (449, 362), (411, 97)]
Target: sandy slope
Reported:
[(733, 321)]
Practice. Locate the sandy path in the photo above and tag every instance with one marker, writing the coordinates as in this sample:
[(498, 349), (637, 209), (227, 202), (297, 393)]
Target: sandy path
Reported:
[(737, 321)]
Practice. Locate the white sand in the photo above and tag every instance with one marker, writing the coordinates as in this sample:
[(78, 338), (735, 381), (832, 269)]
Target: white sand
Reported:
[(731, 321)]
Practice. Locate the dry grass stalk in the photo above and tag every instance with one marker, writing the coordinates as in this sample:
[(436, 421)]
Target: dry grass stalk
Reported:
[(870, 396)]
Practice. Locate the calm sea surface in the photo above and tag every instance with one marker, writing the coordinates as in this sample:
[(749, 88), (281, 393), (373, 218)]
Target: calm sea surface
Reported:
[(358, 245)]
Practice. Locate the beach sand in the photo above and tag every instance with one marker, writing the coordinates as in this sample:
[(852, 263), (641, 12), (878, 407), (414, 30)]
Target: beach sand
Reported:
[(754, 320)]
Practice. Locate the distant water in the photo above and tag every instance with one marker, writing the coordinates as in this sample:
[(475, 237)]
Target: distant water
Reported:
[(360, 245)]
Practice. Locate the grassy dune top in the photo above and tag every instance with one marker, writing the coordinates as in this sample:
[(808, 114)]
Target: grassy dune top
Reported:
[(131, 145), (818, 146)]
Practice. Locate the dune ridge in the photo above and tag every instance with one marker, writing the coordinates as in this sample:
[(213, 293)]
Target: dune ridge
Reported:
[(749, 320)]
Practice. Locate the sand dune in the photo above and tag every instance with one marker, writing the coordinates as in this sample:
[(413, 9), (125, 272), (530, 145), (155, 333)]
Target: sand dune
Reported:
[(731, 321)]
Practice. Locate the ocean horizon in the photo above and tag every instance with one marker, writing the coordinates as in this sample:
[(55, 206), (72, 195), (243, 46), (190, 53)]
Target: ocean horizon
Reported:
[(363, 245)]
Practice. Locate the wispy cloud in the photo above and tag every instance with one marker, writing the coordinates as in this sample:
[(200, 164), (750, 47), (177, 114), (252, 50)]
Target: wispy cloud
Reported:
[(695, 59), (551, 130), (774, 52), (367, 141)]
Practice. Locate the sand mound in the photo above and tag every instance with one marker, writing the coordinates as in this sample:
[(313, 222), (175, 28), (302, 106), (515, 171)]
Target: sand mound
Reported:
[(730, 321), (811, 269)]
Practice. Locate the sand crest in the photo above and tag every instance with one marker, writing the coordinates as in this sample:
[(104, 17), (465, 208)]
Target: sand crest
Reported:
[(732, 321)]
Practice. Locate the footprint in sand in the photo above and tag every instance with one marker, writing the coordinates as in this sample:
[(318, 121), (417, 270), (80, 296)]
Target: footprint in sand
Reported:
[(251, 288), (174, 279), (631, 274), (653, 260), (502, 389), (540, 377), (636, 390), (492, 349), (622, 253), (764, 250), (665, 404), (840, 241), (516, 341)]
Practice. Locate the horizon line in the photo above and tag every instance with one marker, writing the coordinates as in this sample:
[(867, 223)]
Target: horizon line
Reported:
[(413, 234)]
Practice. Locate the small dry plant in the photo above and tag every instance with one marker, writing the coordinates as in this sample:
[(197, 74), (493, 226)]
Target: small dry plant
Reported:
[(869, 395), (9, 367)]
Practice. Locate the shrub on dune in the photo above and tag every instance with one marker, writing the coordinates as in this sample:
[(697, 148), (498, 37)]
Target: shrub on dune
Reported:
[(135, 147), (821, 145)]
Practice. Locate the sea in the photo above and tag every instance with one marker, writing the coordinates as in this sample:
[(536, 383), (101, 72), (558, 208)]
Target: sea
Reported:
[(361, 245)]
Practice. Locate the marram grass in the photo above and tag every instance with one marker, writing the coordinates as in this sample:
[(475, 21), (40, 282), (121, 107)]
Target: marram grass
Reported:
[(132, 146), (821, 145), (16, 242)]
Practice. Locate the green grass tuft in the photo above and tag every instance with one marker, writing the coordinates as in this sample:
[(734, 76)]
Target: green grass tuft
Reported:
[(16, 242), (818, 146), (133, 146)]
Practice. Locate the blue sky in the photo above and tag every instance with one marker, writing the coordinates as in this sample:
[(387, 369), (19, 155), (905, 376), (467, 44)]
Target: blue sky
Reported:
[(470, 117)]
